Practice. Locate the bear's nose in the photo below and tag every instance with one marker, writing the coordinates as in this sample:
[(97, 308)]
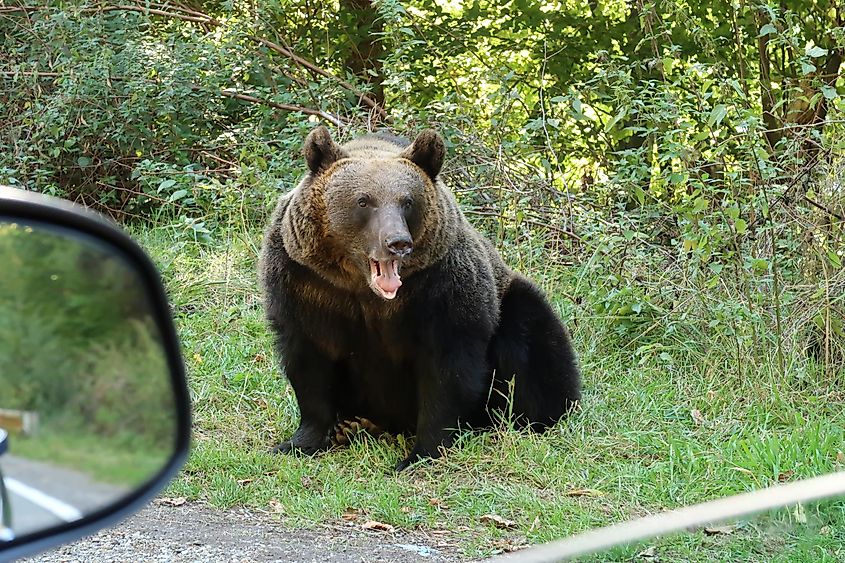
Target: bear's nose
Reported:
[(400, 245)]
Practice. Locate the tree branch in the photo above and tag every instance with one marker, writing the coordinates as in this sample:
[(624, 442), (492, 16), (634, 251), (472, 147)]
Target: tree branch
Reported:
[(198, 17), (145, 10), (818, 205), (767, 98), (317, 70), (289, 107), (229, 93)]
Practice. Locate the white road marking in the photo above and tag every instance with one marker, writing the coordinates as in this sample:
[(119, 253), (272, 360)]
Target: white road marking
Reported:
[(61, 509)]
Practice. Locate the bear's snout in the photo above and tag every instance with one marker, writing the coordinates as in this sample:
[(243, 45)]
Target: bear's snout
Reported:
[(399, 245), (392, 238)]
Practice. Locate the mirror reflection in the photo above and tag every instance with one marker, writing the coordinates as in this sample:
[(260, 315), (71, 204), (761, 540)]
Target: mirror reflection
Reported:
[(85, 394)]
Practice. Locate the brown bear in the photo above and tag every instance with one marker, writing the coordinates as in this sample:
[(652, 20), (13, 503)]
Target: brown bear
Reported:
[(388, 305)]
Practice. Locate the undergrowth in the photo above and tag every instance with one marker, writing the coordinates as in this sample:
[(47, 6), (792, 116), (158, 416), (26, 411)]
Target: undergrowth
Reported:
[(676, 410)]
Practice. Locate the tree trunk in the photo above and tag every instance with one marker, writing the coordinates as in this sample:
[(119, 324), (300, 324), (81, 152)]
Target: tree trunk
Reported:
[(639, 141), (773, 124), (364, 58)]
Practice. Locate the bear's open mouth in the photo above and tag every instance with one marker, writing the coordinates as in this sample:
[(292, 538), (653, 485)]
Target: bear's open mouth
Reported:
[(384, 277)]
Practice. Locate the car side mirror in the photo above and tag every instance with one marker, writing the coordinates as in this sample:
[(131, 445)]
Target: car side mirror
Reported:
[(6, 533), (94, 409)]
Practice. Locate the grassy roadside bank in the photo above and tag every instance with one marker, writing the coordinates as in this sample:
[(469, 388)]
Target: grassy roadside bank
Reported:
[(676, 422)]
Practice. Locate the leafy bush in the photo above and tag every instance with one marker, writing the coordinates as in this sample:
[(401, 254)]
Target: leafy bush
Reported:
[(687, 158)]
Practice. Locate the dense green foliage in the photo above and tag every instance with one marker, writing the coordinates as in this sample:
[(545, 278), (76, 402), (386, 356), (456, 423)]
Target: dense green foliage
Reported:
[(698, 140), (672, 172)]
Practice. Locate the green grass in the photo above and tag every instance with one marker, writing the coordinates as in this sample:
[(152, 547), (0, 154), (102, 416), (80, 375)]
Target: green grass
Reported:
[(669, 421)]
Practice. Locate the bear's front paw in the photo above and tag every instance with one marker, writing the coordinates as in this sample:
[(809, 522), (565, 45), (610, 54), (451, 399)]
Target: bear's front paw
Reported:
[(283, 448), (406, 463), (412, 459), (308, 449)]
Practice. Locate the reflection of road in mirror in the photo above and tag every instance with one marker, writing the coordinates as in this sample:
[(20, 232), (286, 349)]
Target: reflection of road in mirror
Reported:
[(43, 495)]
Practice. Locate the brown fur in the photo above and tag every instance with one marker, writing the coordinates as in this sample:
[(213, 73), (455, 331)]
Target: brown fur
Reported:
[(315, 269), (303, 228)]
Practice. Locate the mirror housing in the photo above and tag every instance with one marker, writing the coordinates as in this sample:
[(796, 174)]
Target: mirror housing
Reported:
[(6, 534), (27, 208)]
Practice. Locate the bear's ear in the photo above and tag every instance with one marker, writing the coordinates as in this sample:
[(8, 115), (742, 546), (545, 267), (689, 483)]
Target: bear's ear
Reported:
[(320, 151), (427, 151)]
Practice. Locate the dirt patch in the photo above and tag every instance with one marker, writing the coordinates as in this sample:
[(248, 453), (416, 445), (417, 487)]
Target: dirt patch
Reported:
[(194, 532)]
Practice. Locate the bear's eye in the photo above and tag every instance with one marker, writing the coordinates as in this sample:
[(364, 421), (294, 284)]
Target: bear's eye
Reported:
[(363, 201), (407, 203)]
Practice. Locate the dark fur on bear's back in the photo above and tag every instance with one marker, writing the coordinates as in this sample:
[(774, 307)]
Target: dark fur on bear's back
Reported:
[(423, 361)]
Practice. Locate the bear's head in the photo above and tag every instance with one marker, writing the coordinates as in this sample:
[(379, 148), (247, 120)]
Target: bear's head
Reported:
[(375, 205)]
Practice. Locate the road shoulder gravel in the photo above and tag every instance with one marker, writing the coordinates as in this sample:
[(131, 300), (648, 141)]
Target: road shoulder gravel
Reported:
[(197, 533)]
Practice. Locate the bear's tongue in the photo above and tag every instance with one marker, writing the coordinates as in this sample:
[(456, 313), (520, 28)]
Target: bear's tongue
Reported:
[(384, 277)]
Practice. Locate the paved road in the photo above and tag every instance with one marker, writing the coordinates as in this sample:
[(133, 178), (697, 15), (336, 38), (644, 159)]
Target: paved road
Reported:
[(196, 533), (42, 495)]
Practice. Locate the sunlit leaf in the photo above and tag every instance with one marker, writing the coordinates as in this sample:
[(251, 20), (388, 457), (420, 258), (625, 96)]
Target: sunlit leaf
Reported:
[(177, 195), (717, 114), (616, 118), (767, 29), (815, 51), (760, 265)]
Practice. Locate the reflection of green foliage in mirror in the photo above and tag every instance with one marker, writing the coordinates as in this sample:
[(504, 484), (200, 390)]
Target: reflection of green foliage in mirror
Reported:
[(121, 369), (77, 347)]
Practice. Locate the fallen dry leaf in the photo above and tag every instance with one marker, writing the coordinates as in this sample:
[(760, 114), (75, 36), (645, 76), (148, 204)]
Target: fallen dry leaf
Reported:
[(498, 521), (785, 476), (351, 514), (697, 417), (305, 481), (378, 526), (171, 501), (276, 506), (245, 481), (719, 530), (261, 403), (438, 503), (648, 553), (508, 546), (840, 457), (583, 493)]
